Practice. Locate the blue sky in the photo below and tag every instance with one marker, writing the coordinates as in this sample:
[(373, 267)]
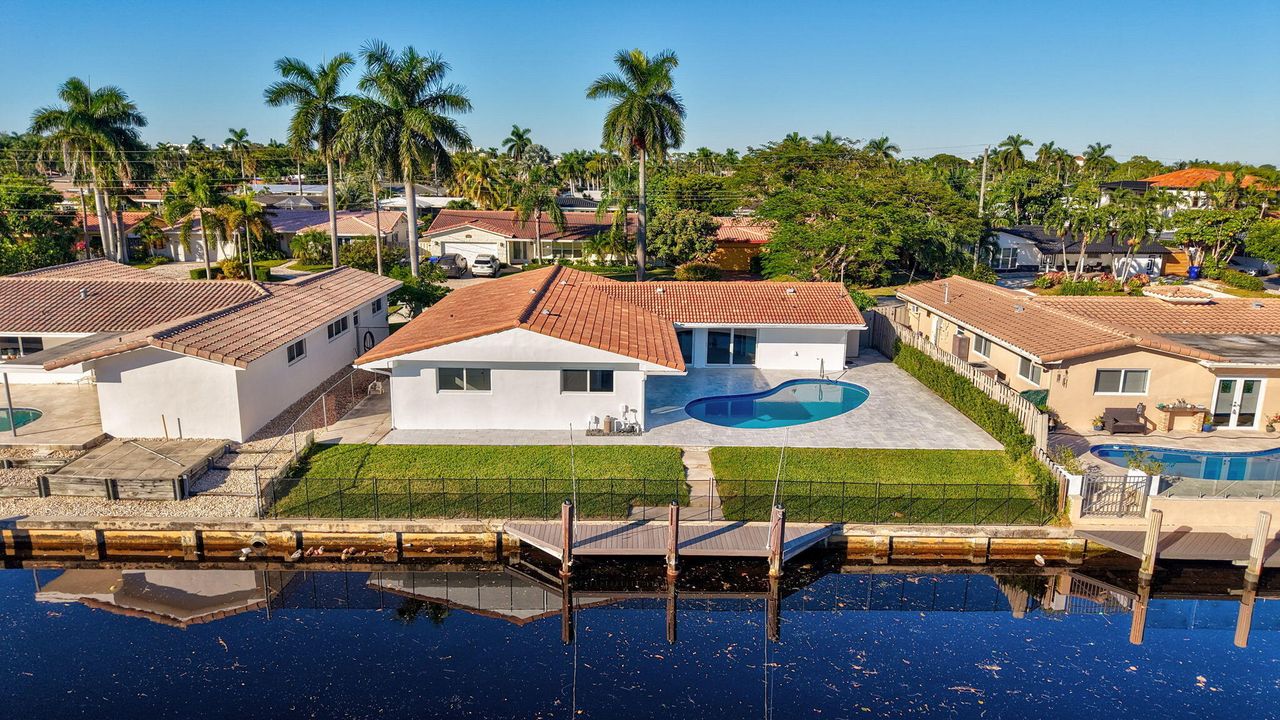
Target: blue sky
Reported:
[(1171, 80)]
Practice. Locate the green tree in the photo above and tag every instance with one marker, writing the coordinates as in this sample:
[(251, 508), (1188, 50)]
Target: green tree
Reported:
[(94, 132), (1009, 155), (408, 106), (420, 290), (1263, 241), (237, 143), (1211, 236), (191, 195), (882, 150), (678, 236), (534, 196), (517, 143), (318, 107), (646, 118), (366, 253), (1097, 162), (33, 234), (247, 220)]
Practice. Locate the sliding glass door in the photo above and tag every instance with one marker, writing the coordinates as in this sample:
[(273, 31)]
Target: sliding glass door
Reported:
[(735, 346)]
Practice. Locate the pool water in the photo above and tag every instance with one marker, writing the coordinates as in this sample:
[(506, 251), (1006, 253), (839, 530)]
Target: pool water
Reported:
[(1202, 464), (22, 416), (794, 402)]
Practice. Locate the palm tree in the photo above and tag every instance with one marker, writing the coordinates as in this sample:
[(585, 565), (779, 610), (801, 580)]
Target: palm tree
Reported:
[(247, 218), (315, 94), (517, 143), (477, 178), (572, 167), (194, 191), (1009, 155), (407, 105), (536, 195), (647, 118), (882, 150), (1096, 159), (238, 144), (93, 132)]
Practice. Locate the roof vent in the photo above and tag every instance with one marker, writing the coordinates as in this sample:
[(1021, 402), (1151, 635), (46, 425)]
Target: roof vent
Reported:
[(1018, 308), (946, 294), (791, 291), (661, 290), (546, 311), (84, 294), (1257, 304), (533, 291)]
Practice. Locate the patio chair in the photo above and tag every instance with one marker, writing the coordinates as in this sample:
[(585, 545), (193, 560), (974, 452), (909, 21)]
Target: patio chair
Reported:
[(1123, 420)]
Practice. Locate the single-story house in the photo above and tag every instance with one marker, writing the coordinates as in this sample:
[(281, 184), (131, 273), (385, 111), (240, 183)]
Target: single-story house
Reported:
[(287, 223), (546, 348), (128, 220), (1175, 345), (1037, 248), (739, 241), (497, 232), (188, 358), (1185, 185)]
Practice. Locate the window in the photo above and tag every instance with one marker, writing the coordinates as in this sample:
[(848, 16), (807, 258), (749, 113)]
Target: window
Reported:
[(744, 347), (463, 379), (337, 327), (982, 345), (12, 346), (1006, 259), (1121, 382), (355, 318), (1029, 371), (685, 338), (719, 343), (731, 347), (377, 305), (596, 381), (297, 351)]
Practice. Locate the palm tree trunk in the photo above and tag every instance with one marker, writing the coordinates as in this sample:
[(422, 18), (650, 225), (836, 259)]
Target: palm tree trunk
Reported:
[(640, 238), (104, 227), (537, 233), (411, 207), (204, 239), (248, 246), (333, 211), (120, 234), (377, 220)]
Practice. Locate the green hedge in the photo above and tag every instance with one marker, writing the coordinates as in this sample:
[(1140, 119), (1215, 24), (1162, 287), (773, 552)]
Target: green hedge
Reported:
[(1243, 281), (261, 274), (198, 273)]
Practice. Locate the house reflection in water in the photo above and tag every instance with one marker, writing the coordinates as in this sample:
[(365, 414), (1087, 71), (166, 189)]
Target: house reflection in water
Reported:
[(178, 598)]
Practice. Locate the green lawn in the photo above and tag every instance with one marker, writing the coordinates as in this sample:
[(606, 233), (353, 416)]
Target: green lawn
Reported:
[(404, 481), (882, 486), (312, 268)]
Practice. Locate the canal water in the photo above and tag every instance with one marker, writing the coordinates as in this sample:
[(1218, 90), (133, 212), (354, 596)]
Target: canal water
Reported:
[(487, 641)]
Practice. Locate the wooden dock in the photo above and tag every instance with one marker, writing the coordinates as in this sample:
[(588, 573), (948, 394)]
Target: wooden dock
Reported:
[(649, 538), (1183, 545)]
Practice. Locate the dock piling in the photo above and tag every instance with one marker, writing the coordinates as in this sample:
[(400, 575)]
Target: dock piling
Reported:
[(566, 540), (1252, 574), (777, 535), (773, 610), (1151, 547), (673, 539), (671, 609)]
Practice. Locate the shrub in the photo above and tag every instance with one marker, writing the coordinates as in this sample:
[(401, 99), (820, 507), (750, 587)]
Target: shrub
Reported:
[(198, 273), (362, 254), (233, 268), (697, 271), (981, 273), (1243, 281), (862, 300), (261, 274), (310, 247)]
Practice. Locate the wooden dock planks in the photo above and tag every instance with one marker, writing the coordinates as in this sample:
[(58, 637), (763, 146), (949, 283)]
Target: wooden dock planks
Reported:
[(649, 538)]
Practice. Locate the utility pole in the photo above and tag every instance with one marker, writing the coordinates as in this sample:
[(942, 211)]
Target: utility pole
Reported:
[(982, 201)]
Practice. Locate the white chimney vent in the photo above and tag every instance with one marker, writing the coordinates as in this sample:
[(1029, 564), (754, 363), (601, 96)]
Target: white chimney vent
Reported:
[(84, 293), (791, 291)]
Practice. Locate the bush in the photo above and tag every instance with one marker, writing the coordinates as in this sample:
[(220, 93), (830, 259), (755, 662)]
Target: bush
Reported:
[(697, 271), (310, 247), (981, 273), (198, 273), (261, 274), (1242, 281), (362, 254), (233, 268), (862, 300)]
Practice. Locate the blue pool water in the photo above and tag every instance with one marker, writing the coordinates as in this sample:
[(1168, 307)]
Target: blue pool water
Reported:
[(794, 402), (21, 416), (1203, 464)]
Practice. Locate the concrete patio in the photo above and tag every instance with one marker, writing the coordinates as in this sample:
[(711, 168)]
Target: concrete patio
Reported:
[(70, 419), (899, 413)]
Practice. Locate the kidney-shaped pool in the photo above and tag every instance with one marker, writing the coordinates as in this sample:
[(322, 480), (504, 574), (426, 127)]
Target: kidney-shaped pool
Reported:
[(794, 402)]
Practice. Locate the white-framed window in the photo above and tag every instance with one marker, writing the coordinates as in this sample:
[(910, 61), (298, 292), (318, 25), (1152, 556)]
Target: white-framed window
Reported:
[(464, 379), (12, 346), (297, 351), (982, 345), (588, 381), (337, 327), (1029, 371), (1121, 382), (1006, 259), (376, 307)]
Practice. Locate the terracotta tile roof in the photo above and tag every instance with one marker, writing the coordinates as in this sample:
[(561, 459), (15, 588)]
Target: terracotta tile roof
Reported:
[(242, 332), (1223, 316), (96, 269), (579, 225), (350, 222), (128, 217), (743, 302), (631, 319), (743, 230), (1191, 178), (1177, 293)]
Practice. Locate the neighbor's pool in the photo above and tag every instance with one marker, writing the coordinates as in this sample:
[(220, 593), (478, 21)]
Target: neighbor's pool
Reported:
[(21, 416), (1203, 464), (794, 402)]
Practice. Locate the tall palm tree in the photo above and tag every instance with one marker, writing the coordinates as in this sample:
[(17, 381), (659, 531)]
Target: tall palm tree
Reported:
[(407, 104), (194, 192), (517, 143), (646, 118), (245, 217), (1096, 159), (477, 178), (534, 196), (881, 149), (318, 102), (1009, 155), (237, 143), (93, 132)]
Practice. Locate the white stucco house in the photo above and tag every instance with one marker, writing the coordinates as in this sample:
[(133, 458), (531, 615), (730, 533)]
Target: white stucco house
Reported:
[(551, 347), (498, 232), (1039, 249), (287, 223), (187, 358)]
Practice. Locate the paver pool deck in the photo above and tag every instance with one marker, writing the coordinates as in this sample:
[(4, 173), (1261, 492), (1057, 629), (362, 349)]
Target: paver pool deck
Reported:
[(899, 413), (70, 418)]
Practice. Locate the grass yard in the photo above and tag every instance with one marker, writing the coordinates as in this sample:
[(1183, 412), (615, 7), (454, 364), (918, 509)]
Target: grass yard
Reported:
[(879, 486), (415, 481)]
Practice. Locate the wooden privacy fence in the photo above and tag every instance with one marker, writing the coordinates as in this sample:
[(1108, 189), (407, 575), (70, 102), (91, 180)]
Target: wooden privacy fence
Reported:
[(885, 329)]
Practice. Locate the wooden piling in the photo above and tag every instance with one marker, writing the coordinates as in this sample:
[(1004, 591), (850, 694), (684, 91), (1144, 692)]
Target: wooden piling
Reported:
[(1258, 549), (566, 612), (1151, 547), (671, 609), (777, 536), (1244, 618), (673, 539), (566, 539), (773, 610), (1138, 621)]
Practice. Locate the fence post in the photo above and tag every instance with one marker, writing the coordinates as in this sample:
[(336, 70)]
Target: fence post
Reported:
[(477, 498), (306, 490), (342, 505), (377, 504), (324, 410), (410, 492), (843, 484)]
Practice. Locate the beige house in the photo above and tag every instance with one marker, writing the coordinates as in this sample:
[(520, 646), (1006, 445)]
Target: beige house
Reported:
[(1185, 357)]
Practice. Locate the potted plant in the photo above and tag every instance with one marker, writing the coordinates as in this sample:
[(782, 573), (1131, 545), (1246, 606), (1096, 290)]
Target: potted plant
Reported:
[(1098, 424), (1207, 427), (1272, 421)]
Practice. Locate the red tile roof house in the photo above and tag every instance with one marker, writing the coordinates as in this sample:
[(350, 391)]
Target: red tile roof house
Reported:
[(287, 223), (497, 232), (556, 346), (216, 359)]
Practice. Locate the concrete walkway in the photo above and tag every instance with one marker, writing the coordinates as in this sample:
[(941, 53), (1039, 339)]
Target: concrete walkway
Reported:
[(704, 499), (367, 422)]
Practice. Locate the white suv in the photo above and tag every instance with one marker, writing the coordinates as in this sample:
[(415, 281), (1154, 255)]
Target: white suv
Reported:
[(485, 266)]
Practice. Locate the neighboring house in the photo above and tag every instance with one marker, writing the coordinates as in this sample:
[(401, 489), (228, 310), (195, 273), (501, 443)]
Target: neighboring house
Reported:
[(290, 189), (498, 232), (1093, 353), (738, 242), (577, 202), (1185, 185), (277, 201), (286, 224), (185, 357), (556, 346), (129, 220), (1036, 248)]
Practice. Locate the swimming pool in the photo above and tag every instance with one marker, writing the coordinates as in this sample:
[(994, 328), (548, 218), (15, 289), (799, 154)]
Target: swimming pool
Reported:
[(1203, 464), (21, 415), (794, 402)]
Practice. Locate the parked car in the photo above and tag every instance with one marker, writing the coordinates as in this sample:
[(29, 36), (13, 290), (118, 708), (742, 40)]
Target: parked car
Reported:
[(1256, 267), (486, 266), (453, 265)]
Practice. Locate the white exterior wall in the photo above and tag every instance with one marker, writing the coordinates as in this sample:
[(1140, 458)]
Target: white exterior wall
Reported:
[(194, 250), (470, 236), (789, 348), (20, 374), (525, 386), (1028, 253), (136, 389)]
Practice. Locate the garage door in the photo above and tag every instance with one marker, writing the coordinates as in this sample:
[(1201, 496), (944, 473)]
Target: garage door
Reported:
[(469, 250)]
